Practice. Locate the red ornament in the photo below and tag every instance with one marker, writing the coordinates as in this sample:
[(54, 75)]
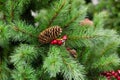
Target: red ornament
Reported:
[(54, 42), (118, 78), (57, 42), (64, 37), (112, 74), (108, 77), (118, 71), (115, 75), (60, 42), (108, 74)]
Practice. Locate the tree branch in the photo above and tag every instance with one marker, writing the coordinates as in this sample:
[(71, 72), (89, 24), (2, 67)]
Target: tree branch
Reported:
[(23, 31), (56, 14), (82, 37), (70, 2), (71, 21), (110, 46), (12, 11)]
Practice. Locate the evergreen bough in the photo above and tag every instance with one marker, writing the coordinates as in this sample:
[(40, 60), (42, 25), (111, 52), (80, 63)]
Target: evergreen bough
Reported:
[(23, 57)]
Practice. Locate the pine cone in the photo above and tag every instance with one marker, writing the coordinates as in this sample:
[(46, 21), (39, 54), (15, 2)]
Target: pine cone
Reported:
[(49, 34), (86, 22), (72, 52)]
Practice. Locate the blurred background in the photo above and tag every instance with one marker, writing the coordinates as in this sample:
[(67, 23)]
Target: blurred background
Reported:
[(112, 9)]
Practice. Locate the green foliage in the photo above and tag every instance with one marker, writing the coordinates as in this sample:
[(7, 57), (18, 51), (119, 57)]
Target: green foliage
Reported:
[(17, 30), (15, 8), (58, 61), (23, 57), (59, 14), (53, 63), (112, 8), (102, 78), (103, 62), (21, 54), (21, 61), (4, 40), (4, 71), (24, 72)]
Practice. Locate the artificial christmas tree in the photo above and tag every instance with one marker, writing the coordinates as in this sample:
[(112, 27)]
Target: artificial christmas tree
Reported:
[(70, 51)]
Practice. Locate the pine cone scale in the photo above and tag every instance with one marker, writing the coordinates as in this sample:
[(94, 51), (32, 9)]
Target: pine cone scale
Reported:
[(49, 34)]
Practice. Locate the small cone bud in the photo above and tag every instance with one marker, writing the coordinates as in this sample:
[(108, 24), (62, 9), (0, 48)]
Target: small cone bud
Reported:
[(86, 22)]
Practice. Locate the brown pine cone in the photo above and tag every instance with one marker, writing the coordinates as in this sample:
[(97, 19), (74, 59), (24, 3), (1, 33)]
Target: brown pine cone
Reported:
[(86, 22), (49, 34)]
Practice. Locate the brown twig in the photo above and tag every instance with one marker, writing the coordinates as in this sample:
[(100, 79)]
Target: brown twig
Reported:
[(71, 21), (23, 31), (83, 37), (67, 64), (110, 46), (70, 2), (83, 50), (12, 12)]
